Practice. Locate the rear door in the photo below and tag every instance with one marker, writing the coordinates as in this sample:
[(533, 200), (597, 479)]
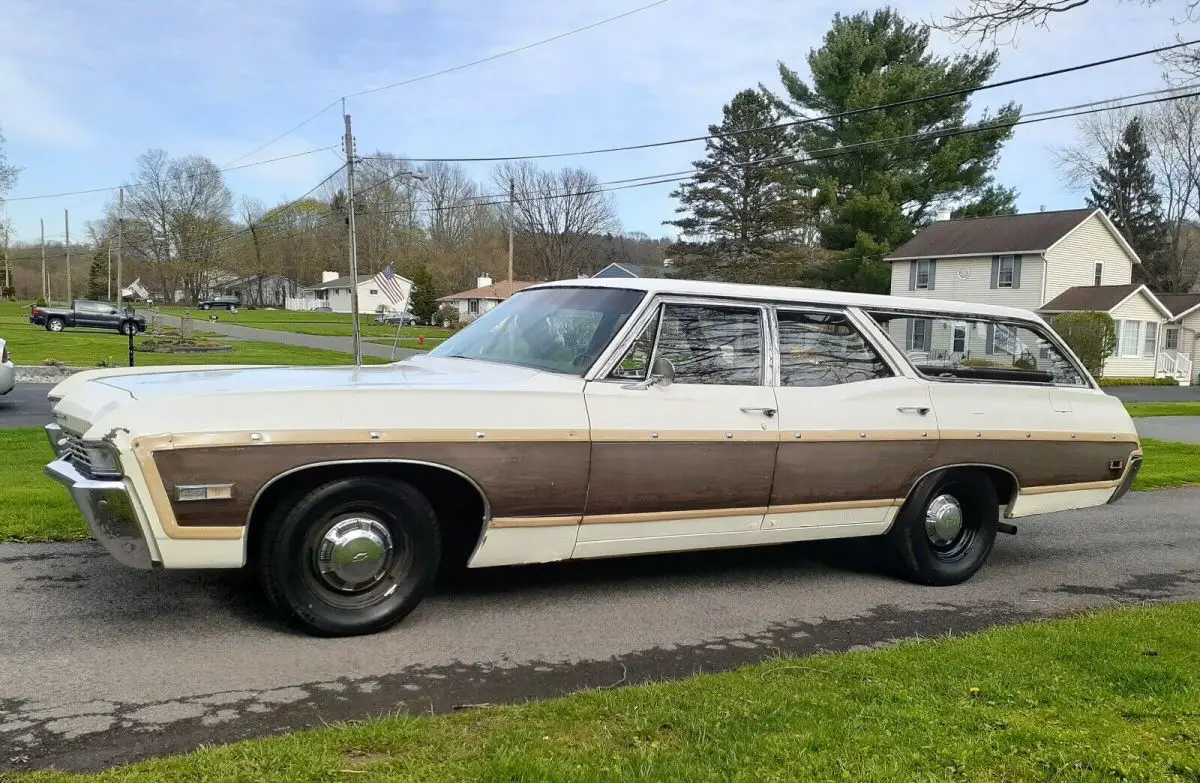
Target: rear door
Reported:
[(853, 427), (87, 315)]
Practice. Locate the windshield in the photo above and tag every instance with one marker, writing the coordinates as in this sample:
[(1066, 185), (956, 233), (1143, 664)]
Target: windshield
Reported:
[(559, 330)]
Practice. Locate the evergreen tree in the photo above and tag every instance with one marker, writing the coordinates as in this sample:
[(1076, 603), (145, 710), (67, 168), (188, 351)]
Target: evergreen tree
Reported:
[(97, 280), (875, 191), (742, 202), (1124, 189), (423, 302)]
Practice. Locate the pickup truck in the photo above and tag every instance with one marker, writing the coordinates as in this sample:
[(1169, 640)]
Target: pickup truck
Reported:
[(84, 314), (231, 303)]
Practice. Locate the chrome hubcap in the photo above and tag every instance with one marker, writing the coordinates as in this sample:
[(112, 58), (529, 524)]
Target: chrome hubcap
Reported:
[(943, 520), (354, 553)]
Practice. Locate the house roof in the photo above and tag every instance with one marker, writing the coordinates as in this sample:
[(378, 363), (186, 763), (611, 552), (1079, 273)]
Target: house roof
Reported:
[(1179, 304), (344, 282), (1033, 232), (1099, 298), (624, 269), (501, 290)]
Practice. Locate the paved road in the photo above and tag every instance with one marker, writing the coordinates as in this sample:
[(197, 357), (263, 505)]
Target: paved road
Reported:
[(104, 665), (25, 406), (1155, 393), (1185, 429), (343, 344)]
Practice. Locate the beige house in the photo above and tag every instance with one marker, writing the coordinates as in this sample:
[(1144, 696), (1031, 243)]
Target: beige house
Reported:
[(1049, 262), (483, 297)]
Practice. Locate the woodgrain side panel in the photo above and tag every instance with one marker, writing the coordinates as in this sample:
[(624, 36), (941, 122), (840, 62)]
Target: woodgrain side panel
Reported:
[(519, 479), (1042, 463), (649, 477), (846, 470)]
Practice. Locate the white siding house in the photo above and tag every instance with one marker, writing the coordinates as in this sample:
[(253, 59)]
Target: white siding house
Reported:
[(1051, 262), (334, 292), (483, 297)]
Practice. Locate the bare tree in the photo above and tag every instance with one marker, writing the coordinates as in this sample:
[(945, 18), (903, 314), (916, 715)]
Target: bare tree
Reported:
[(1173, 136), (177, 211), (8, 173), (999, 20), (556, 213)]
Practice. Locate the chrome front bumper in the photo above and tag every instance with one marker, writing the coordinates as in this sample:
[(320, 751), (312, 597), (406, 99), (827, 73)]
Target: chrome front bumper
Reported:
[(106, 506)]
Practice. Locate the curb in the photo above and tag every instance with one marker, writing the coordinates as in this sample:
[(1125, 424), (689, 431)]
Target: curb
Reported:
[(42, 374)]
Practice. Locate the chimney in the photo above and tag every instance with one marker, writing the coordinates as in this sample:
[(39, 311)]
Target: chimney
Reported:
[(483, 281), (943, 214), (329, 276)]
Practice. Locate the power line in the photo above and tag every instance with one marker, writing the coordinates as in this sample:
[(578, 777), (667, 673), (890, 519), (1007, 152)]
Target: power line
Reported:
[(452, 69), (824, 118), (169, 179)]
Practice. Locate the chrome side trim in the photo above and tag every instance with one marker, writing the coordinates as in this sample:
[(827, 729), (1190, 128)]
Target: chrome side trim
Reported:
[(487, 507), (109, 512)]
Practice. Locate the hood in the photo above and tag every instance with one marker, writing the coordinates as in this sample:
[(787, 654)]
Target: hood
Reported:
[(418, 371), (85, 400)]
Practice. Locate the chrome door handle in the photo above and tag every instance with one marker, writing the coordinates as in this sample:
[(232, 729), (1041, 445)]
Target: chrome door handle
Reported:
[(768, 412), (913, 409)]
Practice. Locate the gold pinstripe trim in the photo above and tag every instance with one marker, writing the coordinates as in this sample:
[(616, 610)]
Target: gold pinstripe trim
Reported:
[(502, 522), (840, 505)]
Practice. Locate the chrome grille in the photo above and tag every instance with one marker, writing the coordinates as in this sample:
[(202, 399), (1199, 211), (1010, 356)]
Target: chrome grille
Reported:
[(71, 449)]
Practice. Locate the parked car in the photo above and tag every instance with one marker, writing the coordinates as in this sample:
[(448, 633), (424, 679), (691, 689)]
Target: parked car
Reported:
[(85, 314), (598, 418), (220, 303), (8, 373), (392, 318)]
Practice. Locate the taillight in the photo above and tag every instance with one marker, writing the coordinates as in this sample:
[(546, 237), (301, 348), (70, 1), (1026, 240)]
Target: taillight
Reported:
[(37, 311)]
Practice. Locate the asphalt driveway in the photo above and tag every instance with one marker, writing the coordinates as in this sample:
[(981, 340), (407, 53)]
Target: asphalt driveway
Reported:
[(103, 665)]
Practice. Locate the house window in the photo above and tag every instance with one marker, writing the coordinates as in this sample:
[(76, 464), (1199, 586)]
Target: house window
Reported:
[(924, 275), (1151, 338), (374, 292), (1171, 341), (473, 306), (1130, 338), (918, 335), (1007, 272), (1098, 275)]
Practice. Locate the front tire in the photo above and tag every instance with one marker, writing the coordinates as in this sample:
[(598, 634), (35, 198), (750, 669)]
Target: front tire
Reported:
[(353, 556), (946, 530), (125, 328)]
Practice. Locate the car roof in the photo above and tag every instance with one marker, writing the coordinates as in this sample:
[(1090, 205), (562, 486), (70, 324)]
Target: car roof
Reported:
[(814, 296)]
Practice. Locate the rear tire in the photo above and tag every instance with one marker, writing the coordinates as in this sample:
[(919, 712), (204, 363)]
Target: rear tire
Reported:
[(353, 556), (946, 530), (55, 324)]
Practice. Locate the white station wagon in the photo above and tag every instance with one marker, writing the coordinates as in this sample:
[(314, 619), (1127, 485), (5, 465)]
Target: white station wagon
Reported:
[(597, 418)]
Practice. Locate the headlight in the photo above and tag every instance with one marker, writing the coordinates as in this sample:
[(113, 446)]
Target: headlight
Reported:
[(101, 459)]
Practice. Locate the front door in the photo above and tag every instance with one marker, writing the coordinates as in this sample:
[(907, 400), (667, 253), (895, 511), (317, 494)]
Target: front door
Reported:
[(854, 431), (689, 464)]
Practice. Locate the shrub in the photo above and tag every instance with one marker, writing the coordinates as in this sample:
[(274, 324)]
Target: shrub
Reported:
[(40, 302), (448, 315), (1137, 381), (1091, 335)]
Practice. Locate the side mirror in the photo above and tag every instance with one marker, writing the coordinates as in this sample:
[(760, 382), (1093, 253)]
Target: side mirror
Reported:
[(662, 373)]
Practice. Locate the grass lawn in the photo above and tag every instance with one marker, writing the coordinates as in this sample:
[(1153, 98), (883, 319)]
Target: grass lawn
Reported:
[(1137, 409), (1106, 696), (32, 345), (322, 324), (35, 507)]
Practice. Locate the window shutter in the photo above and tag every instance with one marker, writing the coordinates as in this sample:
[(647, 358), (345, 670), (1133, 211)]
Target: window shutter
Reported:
[(1016, 271), (991, 333), (912, 277), (928, 346), (932, 273), (908, 333), (995, 282)]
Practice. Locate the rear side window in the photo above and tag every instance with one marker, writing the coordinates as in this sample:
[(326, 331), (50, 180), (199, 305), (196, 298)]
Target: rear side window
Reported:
[(945, 347), (824, 349)]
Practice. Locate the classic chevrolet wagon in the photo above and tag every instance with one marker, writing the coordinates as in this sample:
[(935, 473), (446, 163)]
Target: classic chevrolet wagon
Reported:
[(597, 418)]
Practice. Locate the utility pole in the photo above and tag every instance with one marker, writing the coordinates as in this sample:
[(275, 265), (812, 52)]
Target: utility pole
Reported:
[(7, 275), (108, 277), (45, 293), (67, 247), (349, 142), (120, 226), (512, 196)]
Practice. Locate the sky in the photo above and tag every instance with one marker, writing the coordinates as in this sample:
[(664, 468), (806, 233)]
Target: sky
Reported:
[(86, 87)]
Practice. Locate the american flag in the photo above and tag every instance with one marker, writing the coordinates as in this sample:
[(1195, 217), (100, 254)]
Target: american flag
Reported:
[(389, 283)]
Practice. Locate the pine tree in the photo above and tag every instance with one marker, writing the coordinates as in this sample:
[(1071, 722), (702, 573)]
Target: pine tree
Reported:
[(97, 280), (1124, 188), (741, 204), (875, 191), (424, 300)]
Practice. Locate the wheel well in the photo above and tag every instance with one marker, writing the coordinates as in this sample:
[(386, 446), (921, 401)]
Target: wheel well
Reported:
[(1003, 480), (458, 503)]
